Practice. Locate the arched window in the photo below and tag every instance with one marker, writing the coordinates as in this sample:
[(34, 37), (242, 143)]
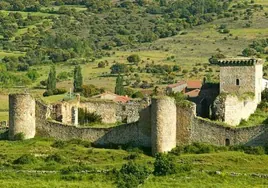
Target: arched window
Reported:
[(237, 82)]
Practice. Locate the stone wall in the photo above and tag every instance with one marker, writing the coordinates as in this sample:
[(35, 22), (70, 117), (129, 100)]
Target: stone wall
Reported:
[(120, 135), (229, 75), (111, 112), (163, 115), (21, 116), (231, 109), (213, 133), (185, 119)]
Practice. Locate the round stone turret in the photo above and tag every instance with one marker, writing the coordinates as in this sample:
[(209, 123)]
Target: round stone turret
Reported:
[(21, 116), (163, 114)]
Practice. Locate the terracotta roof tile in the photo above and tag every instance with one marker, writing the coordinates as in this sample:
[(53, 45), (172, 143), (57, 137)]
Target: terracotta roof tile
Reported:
[(194, 84)]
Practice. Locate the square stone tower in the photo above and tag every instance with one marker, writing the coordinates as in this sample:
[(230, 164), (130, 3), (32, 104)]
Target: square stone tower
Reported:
[(241, 75)]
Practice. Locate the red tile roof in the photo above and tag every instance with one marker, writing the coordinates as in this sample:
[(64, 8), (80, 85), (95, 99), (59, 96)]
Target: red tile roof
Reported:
[(122, 99), (194, 84), (113, 97), (193, 93)]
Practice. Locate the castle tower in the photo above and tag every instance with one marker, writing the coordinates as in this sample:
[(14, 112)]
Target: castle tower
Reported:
[(240, 89), (21, 116), (241, 75), (163, 114)]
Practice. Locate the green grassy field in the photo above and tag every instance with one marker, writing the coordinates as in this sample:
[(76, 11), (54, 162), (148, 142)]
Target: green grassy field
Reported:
[(236, 169)]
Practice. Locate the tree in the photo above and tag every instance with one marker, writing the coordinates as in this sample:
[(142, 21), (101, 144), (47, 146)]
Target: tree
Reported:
[(119, 68), (78, 79), (51, 80), (248, 52), (133, 59), (119, 88)]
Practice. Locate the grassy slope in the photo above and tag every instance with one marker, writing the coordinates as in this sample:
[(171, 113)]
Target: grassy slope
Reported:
[(203, 173)]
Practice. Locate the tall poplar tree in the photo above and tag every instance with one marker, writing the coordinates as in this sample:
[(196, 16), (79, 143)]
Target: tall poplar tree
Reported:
[(51, 80), (78, 79), (119, 88)]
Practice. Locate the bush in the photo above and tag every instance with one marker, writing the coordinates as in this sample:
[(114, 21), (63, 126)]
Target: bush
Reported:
[(132, 156), (249, 149), (85, 117), (19, 136), (59, 91), (132, 175), (164, 164), (84, 143), (74, 169), (199, 148), (134, 58), (25, 159), (59, 144), (54, 157), (138, 94), (47, 93)]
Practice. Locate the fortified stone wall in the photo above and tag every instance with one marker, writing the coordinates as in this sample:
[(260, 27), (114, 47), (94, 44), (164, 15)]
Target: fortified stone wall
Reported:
[(213, 133), (163, 114), (162, 126), (185, 119), (21, 116), (232, 110), (119, 135)]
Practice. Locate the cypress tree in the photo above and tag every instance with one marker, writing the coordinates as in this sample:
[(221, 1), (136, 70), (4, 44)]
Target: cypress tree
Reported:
[(51, 80), (78, 79), (119, 88)]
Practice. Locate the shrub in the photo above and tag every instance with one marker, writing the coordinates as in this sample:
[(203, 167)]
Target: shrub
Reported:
[(59, 91), (25, 159), (249, 149), (164, 164), (132, 175), (85, 117), (134, 58), (74, 169), (59, 144), (199, 148), (48, 93), (132, 156), (138, 94), (84, 143), (19, 136), (101, 64), (54, 157)]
